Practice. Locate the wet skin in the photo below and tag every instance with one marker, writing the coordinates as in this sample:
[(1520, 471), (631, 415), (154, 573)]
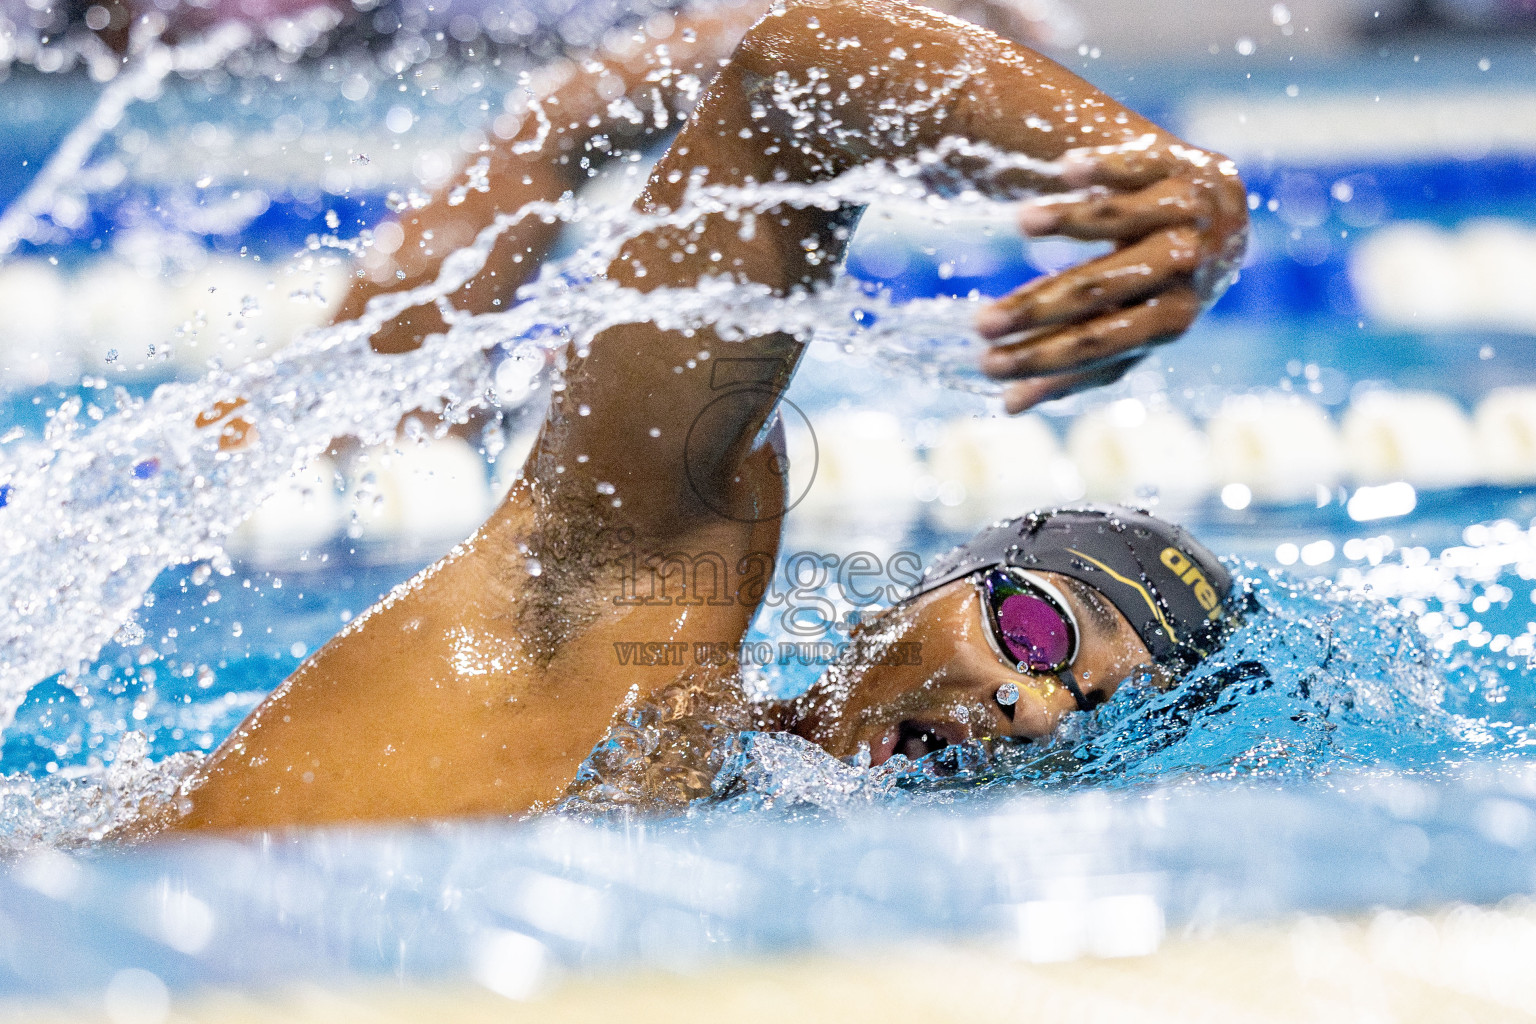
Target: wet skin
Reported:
[(480, 687), (950, 693)]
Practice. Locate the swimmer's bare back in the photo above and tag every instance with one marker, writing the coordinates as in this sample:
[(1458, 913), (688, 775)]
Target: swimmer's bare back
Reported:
[(481, 686)]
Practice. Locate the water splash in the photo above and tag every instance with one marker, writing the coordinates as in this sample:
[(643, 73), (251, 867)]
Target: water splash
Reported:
[(148, 65), (96, 510), (1319, 681), (76, 809)]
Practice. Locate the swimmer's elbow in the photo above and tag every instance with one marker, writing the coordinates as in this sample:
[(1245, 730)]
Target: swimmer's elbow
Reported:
[(782, 39)]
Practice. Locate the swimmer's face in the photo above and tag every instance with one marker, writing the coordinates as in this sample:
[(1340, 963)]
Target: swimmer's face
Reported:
[(941, 685)]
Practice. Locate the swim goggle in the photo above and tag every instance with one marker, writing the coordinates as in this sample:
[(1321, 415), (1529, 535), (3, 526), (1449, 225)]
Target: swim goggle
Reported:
[(1031, 626)]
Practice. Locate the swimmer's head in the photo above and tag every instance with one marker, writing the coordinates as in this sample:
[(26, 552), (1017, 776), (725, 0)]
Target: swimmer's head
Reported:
[(1031, 619)]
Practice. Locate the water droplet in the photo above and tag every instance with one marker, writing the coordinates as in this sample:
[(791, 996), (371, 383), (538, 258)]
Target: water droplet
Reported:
[(1008, 694), (533, 566), (605, 488), (399, 120)]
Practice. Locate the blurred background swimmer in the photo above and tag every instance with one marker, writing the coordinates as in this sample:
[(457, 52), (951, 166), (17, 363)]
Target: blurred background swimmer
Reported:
[(482, 685)]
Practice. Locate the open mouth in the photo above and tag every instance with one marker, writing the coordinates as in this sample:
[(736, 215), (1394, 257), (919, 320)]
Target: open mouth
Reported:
[(913, 740)]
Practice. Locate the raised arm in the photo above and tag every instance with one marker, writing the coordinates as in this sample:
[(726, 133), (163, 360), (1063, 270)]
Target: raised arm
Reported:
[(585, 111), (595, 106), (814, 90), (481, 686)]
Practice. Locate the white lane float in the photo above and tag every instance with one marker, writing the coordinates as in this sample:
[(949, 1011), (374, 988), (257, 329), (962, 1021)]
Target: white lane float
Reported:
[(1498, 261), (432, 491), (1406, 276), (125, 312), (1127, 451), (222, 305), (37, 323), (301, 295), (1280, 448), (988, 468), (1419, 437), (1417, 276), (1505, 425), (111, 315), (870, 476), (305, 512), (866, 470)]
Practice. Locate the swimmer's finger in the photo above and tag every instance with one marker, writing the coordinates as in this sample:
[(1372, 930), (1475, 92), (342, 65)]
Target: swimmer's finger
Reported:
[(1102, 341), (971, 170), (1111, 281), (1120, 168), (1027, 394), (1118, 215)]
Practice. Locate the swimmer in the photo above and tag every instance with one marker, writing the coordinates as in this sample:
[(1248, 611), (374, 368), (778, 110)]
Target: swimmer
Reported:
[(480, 687)]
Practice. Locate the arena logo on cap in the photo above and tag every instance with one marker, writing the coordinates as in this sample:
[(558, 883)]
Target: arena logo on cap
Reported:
[(1190, 574)]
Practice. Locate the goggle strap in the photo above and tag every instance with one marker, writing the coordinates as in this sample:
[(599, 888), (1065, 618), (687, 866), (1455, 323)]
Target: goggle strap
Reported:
[(1070, 682)]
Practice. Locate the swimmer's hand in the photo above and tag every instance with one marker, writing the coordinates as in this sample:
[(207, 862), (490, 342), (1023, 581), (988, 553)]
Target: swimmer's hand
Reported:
[(1179, 220)]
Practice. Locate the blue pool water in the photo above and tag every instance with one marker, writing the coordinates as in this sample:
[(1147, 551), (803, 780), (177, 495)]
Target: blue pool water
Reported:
[(1362, 741), (1045, 876)]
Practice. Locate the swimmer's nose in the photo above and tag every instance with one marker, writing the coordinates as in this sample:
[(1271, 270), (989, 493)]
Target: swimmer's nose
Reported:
[(1025, 707)]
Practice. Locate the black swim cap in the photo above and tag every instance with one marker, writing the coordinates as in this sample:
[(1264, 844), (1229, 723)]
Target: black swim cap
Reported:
[(1169, 587)]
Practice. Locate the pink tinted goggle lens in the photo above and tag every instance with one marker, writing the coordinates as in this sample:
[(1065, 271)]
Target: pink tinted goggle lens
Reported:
[(1034, 631)]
